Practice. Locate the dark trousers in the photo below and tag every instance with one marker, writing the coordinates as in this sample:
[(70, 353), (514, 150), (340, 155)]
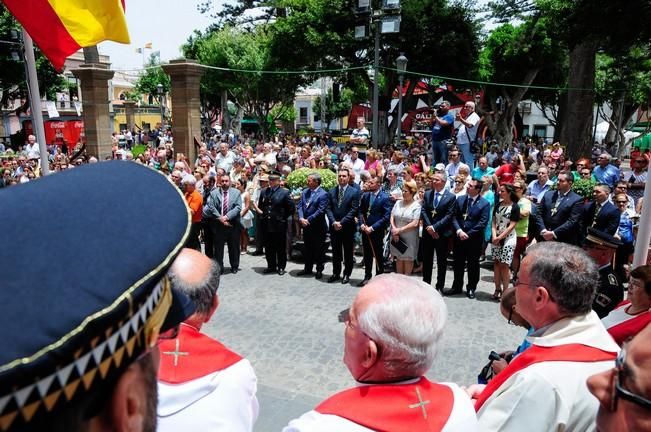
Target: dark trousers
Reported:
[(430, 245), (230, 236), (343, 244), (209, 244), (467, 251), (193, 238), (275, 249), (372, 244), (314, 248), (259, 234)]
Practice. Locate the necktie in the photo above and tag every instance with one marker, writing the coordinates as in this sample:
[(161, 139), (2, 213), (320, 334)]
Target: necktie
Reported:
[(225, 203), (437, 198), (471, 201), (596, 213), (341, 196), (371, 201)]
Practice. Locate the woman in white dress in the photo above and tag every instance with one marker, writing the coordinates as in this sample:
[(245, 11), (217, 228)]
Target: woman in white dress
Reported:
[(506, 216), (246, 215), (405, 217)]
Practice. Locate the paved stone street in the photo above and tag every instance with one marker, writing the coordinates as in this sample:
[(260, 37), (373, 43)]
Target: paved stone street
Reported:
[(287, 327)]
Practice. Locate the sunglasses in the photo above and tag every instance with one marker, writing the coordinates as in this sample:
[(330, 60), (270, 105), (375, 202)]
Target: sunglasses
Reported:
[(619, 392), (621, 202)]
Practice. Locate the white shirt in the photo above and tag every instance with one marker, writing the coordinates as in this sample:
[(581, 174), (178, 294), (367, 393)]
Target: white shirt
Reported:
[(358, 167), (468, 131), (225, 162), (552, 395), (32, 151)]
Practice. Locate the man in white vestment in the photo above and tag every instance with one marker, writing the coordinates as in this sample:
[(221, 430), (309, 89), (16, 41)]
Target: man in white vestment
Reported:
[(543, 389), (202, 385), (387, 350)]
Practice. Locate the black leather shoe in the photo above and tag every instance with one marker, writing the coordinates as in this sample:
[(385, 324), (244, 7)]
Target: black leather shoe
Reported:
[(304, 273), (235, 270), (451, 292), (257, 253), (281, 272), (471, 294), (345, 279), (333, 278), (269, 271), (318, 275), (363, 283)]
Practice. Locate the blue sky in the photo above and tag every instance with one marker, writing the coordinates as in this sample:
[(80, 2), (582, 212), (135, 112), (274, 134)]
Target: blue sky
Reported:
[(165, 23)]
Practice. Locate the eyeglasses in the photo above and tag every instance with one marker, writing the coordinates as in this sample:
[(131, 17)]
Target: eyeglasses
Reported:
[(640, 161), (620, 392), (621, 202), (454, 155), (458, 181)]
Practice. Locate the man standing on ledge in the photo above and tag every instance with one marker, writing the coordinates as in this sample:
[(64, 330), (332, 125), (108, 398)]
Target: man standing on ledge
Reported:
[(442, 125), (388, 350), (543, 389), (360, 134)]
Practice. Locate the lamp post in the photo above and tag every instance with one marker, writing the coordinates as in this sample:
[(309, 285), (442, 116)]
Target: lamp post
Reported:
[(401, 65), (159, 90)]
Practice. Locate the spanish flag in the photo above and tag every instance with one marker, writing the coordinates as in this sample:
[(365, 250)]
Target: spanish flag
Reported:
[(61, 27)]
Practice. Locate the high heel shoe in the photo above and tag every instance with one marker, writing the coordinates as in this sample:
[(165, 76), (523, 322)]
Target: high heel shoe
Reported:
[(497, 295)]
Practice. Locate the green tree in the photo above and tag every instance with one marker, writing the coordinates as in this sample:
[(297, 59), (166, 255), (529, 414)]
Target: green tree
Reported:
[(514, 54), (12, 71), (152, 76), (334, 109)]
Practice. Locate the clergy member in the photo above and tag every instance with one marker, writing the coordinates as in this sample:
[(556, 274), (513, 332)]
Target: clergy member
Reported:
[(543, 389), (202, 385), (387, 351)]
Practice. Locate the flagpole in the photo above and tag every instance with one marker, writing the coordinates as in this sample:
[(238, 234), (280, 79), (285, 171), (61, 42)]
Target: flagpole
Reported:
[(644, 228), (35, 102)]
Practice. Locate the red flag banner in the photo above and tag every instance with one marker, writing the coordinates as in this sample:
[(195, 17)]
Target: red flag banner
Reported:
[(61, 27)]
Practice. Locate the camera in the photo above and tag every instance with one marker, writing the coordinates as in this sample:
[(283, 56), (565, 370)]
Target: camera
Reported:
[(494, 356)]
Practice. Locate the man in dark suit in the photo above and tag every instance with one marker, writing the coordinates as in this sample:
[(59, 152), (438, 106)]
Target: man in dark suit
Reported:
[(209, 184), (471, 216), (342, 210), (437, 212), (375, 213), (223, 208), (601, 214), (312, 210), (276, 206), (560, 213)]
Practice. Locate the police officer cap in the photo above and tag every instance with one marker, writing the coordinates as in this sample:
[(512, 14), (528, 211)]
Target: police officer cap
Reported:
[(603, 239), (84, 292), (274, 175)]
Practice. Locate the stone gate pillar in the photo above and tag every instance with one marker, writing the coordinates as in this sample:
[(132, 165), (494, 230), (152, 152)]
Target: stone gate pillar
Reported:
[(95, 102), (186, 105)]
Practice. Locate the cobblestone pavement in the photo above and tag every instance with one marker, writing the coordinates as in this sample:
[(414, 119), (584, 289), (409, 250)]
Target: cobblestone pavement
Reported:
[(287, 327)]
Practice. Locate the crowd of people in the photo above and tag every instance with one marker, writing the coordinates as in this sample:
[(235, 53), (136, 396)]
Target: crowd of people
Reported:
[(560, 264)]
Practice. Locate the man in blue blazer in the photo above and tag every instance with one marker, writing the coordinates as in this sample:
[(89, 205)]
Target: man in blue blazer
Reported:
[(471, 216), (375, 215), (601, 214), (437, 212), (560, 213), (342, 210), (312, 210)]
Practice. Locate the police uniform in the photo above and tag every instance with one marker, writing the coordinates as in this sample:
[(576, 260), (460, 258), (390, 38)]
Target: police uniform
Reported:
[(610, 291), (277, 206), (80, 304)]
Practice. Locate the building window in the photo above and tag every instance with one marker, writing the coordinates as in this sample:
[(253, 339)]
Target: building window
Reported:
[(302, 115), (540, 131)]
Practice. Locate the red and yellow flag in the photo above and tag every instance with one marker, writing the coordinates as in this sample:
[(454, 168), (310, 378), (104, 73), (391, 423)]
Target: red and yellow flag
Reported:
[(61, 27)]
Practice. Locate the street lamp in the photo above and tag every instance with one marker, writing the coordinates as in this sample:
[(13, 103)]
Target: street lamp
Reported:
[(159, 90), (401, 65)]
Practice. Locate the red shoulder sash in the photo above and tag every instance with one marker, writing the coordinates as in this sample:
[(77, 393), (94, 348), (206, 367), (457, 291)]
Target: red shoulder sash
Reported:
[(420, 406), (539, 354), (192, 355)]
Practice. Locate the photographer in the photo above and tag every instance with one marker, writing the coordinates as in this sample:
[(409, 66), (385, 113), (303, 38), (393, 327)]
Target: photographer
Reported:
[(442, 125), (467, 134)]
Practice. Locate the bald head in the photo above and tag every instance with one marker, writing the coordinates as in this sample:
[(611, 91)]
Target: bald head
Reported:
[(197, 276)]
